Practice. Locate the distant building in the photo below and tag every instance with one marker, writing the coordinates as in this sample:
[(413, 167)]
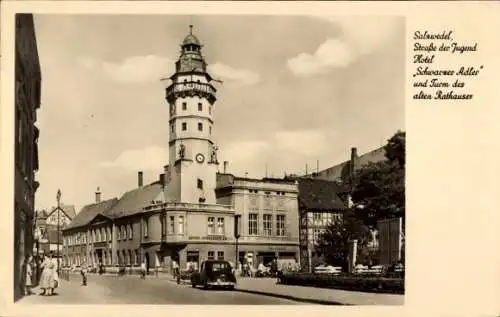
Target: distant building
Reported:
[(343, 172), (47, 230), (269, 217), (27, 101), (319, 206)]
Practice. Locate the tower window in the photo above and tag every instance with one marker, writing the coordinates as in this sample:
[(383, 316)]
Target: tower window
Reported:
[(210, 110), (200, 126), (172, 128), (200, 184), (210, 129), (184, 126), (200, 107), (184, 106)]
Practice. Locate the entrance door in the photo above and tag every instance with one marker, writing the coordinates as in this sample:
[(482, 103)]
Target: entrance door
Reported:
[(99, 256)]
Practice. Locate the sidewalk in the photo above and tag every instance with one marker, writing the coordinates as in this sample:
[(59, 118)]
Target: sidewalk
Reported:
[(325, 296), (70, 292)]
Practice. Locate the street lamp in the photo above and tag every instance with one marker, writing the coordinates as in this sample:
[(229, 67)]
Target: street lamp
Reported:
[(237, 236)]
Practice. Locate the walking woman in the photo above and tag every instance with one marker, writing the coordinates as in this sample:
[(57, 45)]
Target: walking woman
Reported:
[(29, 275), (55, 274), (46, 282)]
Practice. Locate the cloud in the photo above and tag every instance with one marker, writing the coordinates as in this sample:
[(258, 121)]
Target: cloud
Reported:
[(233, 75), (359, 36), (148, 158), (139, 69), (285, 150), (330, 54), (134, 69)]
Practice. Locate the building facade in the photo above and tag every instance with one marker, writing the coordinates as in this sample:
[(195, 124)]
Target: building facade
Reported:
[(48, 235), (269, 217), (319, 207), (27, 101), (177, 217)]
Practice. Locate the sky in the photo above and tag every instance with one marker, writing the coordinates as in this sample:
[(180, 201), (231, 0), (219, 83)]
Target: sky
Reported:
[(296, 90)]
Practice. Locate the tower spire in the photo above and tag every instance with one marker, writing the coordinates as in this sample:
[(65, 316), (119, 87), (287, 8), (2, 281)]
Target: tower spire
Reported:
[(190, 29)]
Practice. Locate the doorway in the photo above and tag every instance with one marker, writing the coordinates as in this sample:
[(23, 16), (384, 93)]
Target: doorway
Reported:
[(99, 256)]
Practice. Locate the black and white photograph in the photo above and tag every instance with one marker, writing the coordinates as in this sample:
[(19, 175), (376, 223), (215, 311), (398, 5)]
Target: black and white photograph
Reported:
[(209, 159)]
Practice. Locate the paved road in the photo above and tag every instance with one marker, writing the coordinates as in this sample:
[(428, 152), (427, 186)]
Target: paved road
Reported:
[(132, 290)]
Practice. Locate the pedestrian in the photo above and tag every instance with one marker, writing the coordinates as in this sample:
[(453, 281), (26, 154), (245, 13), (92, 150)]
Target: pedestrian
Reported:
[(176, 271), (29, 275), (84, 273), (47, 276), (143, 270), (55, 274)]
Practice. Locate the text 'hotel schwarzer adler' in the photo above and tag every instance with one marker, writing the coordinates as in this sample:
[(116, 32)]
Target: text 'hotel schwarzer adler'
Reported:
[(189, 214)]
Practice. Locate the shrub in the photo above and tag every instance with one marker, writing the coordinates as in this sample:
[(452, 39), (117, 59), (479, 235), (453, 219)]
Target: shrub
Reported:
[(347, 282)]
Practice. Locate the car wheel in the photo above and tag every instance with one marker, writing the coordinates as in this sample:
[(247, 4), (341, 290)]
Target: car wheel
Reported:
[(231, 288), (205, 285), (193, 285)]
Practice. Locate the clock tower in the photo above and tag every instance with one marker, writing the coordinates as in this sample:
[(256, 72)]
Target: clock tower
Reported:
[(191, 176)]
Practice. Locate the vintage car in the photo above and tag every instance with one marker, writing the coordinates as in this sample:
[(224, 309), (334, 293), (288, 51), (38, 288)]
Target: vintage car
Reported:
[(214, 273)]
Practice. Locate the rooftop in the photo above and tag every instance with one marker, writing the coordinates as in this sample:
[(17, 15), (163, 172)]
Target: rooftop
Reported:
[(318, 194), (90, 211)]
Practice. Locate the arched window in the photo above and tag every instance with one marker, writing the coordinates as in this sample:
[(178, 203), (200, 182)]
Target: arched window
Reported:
[(103, 234)]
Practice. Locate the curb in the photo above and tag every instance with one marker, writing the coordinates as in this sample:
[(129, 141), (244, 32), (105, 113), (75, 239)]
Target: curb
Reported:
[(290, 297)]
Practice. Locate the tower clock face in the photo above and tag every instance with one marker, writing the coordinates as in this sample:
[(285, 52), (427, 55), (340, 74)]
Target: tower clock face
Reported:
[(200, 158)]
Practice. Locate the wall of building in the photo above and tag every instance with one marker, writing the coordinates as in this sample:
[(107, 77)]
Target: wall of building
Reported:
[(27, 101)]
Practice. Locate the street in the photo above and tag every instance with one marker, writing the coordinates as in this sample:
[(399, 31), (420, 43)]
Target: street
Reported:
[(133, 290)]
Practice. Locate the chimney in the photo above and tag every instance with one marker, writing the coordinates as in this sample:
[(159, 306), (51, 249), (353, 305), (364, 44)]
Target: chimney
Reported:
[(354, 153), (139, 179), (226, 163), (162, 180), (98, 195)]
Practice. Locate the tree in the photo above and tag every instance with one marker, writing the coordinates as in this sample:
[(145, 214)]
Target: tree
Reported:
[(333, 244), (379, 188)]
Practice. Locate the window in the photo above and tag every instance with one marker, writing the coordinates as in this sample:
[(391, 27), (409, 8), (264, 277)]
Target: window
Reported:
[(98, 235), (211, 255), (181, 224), (145, 227), (200, 107), (136, 257), (316, 218), (184, 106), (316, 235), (220, 225), (124, 232), (172, 128), (200, 184), (109, 234), (171, 228), (280, 225), (268, 225), (210, 129), (184, 126), (200, 126), (252, 224), (130, 232), (94, 239), (210, 110), (220, 255), (211, 225)]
